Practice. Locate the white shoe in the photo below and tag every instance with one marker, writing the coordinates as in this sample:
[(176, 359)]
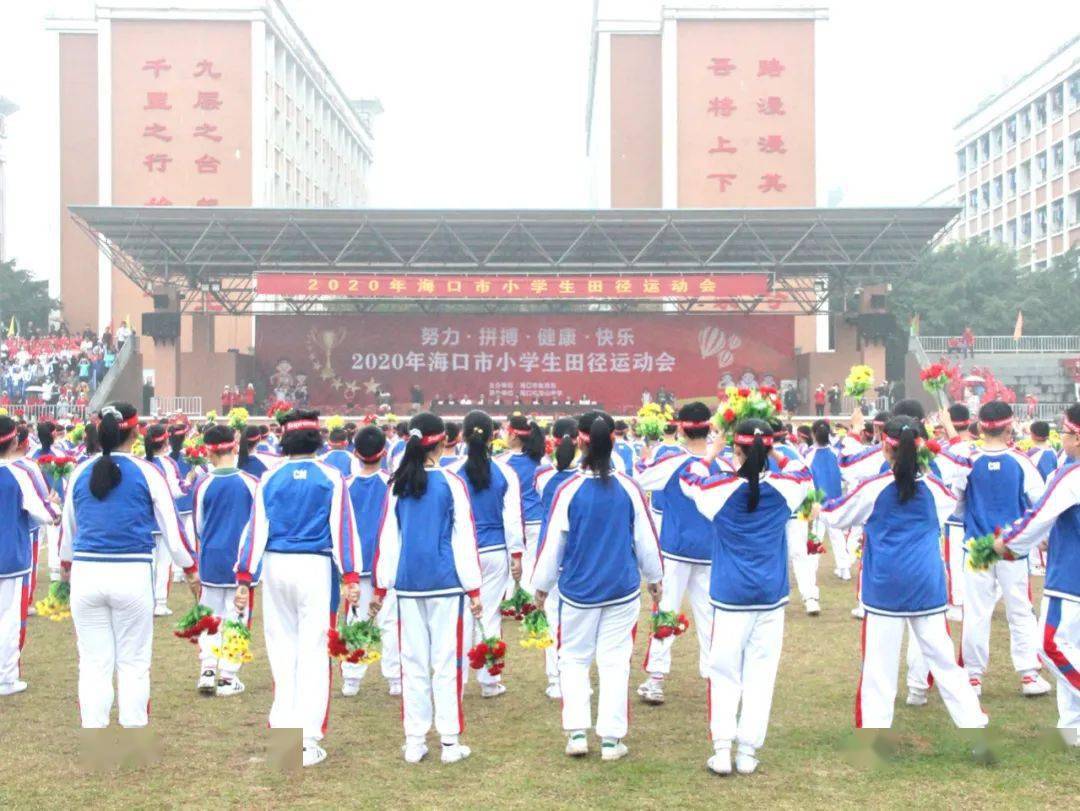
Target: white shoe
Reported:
[(720, 763), (577, 745), (916, 697), (10, 688), (414, 752), (395, 687), (813, 607), (745, 763), (454, 753), (553, 690), (162, 611), (1034, 685), (843, 572), (954, 614), (492, 690), (31, 611), (313, 755), (858, 612), (232, 687), (350, 687), (652, 692), (613, 751), (976, 684), (207, 681)]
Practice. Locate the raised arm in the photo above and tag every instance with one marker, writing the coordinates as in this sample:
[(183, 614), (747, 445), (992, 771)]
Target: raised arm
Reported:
[(1062, 494)]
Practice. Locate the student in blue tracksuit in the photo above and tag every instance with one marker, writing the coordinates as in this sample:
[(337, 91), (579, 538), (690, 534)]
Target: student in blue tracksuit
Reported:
[(823, 461), (248, 458), (397, 446), (623, 449), (1058, 512), (903, 579), (339, 456), (1042, 454), (997, 484), (526, 443), (48, 534), (500, 529), (451, 456), (303, 534), (116, 506), (598, 545), (23, 505), (427, 553), (221, 504), (549, 478), (367, 492), (686, 541), (749, 588), (155, 442)]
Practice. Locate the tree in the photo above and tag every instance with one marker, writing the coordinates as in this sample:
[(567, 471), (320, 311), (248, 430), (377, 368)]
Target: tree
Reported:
[(982, 286), (23, 298)]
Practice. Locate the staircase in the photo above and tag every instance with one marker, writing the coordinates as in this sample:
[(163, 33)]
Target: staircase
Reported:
[(123, 381)]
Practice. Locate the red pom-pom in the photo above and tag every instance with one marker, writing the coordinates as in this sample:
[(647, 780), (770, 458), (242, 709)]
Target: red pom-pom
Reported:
[(744, 392), (664, 631), (729, 416)]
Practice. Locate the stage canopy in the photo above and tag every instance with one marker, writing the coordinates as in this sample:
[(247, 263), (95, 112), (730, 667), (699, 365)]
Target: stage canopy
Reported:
[(257, 260)]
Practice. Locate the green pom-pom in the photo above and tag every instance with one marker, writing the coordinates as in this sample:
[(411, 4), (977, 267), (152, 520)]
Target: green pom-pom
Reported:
[(535, 622), (192, 617), (980, 552), (61, 592)]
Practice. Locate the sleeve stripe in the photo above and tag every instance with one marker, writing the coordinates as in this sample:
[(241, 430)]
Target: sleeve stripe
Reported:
[(836, 503), (1031, 513)]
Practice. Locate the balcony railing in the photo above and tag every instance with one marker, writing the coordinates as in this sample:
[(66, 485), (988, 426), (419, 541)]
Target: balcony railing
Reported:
[(984, 344)]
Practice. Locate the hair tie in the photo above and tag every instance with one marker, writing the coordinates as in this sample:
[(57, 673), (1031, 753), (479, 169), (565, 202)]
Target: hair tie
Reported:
[(416, 432)]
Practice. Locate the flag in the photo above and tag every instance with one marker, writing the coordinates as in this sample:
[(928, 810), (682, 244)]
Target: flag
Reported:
[(11, 327), (1018, 330), (914, 326)]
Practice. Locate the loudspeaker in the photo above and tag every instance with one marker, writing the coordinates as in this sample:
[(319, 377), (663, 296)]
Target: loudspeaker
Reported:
[(161, 326)]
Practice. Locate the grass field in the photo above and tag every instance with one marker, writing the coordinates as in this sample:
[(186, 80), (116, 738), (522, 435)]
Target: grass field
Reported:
[(214, 752)]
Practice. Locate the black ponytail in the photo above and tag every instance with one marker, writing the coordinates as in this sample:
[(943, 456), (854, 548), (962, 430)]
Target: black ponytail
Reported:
[(248, 439), (532, 443), (477, 431), (114, 429), (903, 433), (410, 478), (45, 432), (565, 430), (154, 440), (90, 439), (820, 431), (598, 427), (177, 435), (755, 439)]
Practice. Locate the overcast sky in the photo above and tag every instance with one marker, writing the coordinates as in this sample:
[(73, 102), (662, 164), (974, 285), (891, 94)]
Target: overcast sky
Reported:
[(485, 99)]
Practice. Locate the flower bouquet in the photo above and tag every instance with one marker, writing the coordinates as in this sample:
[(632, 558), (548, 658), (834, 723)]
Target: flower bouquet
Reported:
[(935, 377), (56, 467), (334, 422), (859, 381), (519, 606), (76, 435), (980, 552), (195, 622), (211, 417), (652, 419), (57, 603), (195, 452), (358, 642), (668, 623), (744, 404), (806, 509), (926, 453), (238, 418), (235, 644), (537, 631), (278, 409), (489, 653)]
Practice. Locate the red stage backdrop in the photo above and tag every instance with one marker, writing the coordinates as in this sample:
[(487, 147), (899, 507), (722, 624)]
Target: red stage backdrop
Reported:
[(342, 361)]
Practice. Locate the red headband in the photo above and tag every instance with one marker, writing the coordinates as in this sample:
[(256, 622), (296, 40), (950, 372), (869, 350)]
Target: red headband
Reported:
[(991, 425), (583, 437), (961, 424), (748, 439), (433, 439), (684, 424), (371, 459), (221, 447), (130, 422), (7, 437), (521, 431), (1070, 426), (156, 440), (341, 444), (892, 443), (302, 425)]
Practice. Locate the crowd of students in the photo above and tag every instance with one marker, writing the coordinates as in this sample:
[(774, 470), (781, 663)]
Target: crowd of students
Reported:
[(423, 527), (55, 369)]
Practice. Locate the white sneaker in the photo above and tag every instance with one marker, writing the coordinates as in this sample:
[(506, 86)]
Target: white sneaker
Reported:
[(230, 687), (350, 687), (553, 690), (577, 745), (207, 681), (313, 755), (1034, 685), (395, 687), (455, 752), (162, 611), (10, 688), (613, 751), (858, 612), (745, 763), (916, 697), (720, 762), (652, 692), (414, 752), (954, 613), (813, 607), (843, 572), (492, 690), (976, 684), (31, 611)]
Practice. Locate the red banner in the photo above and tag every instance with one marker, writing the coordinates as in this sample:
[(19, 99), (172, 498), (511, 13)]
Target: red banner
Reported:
[(345, 361), (514, 286)]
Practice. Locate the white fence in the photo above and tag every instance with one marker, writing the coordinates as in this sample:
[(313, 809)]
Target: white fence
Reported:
[(987, 344), (42, 411), (192, 406)]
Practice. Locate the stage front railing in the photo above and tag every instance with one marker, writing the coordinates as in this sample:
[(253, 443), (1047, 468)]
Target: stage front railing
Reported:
[(191, 406), (46, 411), (989, 344)]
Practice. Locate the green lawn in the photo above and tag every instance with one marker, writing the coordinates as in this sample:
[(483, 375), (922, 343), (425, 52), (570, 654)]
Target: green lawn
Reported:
[(214, 753)]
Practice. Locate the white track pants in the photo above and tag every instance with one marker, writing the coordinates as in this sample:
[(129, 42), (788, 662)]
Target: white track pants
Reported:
[(432, 633), (219, 599), (495, 580), (876, 694), (803, 564), (296, 617), (980, 596), (12, 617), (51, 536), (528, 560), (390, 663), (841, 544), (162, 570), (1061, 653), (112, 606), (605, 635), (743, 660), (690, 580), (953, 553)]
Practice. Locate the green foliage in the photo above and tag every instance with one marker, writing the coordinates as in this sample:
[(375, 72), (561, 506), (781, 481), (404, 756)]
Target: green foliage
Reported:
[(23, 297), (981, 285)]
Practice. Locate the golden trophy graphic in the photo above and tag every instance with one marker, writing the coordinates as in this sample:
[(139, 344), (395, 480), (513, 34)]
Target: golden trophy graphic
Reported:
[(328, 340)]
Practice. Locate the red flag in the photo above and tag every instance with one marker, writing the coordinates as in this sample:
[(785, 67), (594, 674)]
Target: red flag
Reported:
[(1018, 330)]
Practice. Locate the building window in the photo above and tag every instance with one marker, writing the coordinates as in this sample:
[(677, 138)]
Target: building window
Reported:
[(1039, 266), (1010, 132), (984, 147), (973, 201), (1074, 91), (995, 194), (1074, 208), (998, 235), (972, 156), (1025, 122), (1025, 176), (1057, 215), (995, 142), (1075, 141), (1058, 158), (1057, 101), (985, 195), (1010, 233), (960, 162), (1040, 222), (1025, 229), (1040, 168), (1010, 180), (1040, 112)]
